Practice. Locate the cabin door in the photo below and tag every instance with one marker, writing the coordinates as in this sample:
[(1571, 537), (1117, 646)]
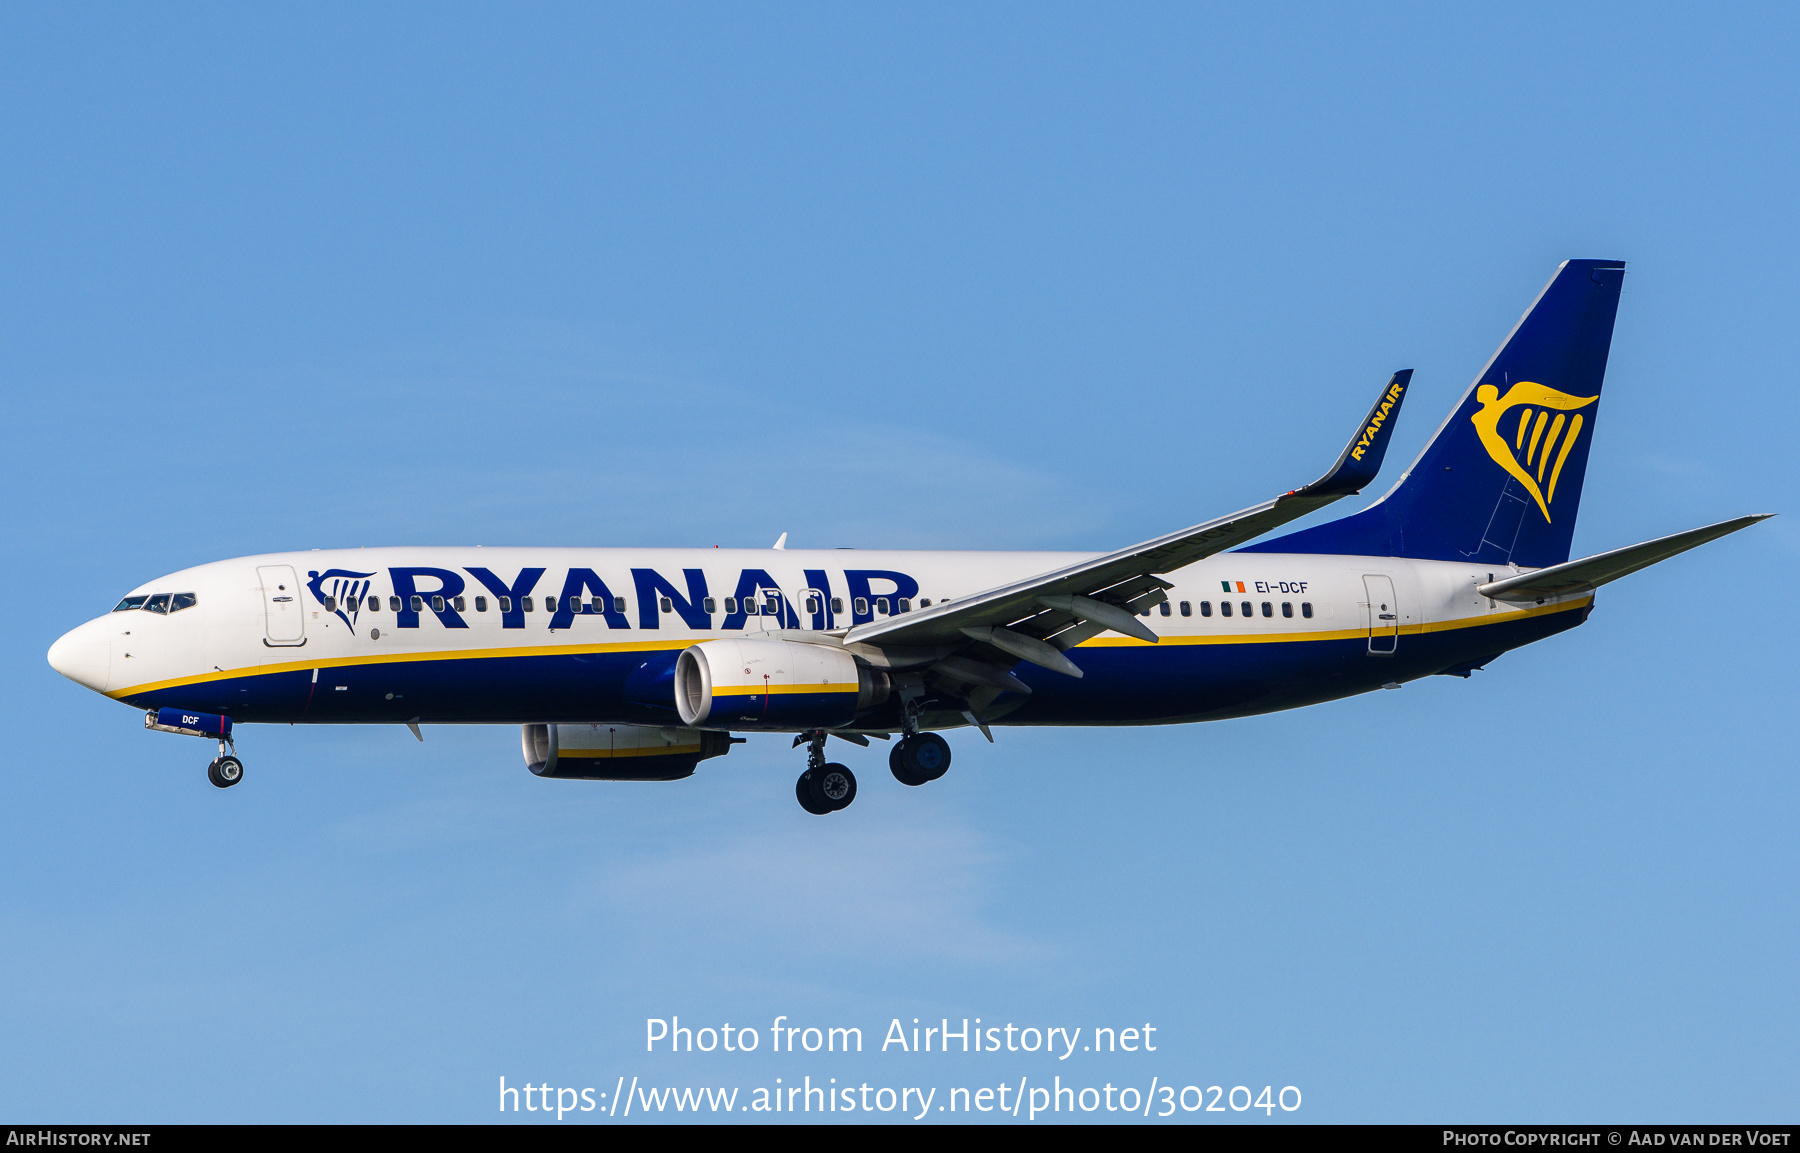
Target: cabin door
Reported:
[(1384, 615), (283, 612)]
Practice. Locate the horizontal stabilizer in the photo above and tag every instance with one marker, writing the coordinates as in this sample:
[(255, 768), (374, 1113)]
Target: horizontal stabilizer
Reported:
[(1589, 573)]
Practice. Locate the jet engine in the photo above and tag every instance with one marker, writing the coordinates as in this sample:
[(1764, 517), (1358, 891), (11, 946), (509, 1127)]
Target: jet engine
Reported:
[(618, 752), (769, 684)]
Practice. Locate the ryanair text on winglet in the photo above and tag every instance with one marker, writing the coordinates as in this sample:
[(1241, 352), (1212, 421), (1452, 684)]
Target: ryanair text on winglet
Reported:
[(1375, 422)]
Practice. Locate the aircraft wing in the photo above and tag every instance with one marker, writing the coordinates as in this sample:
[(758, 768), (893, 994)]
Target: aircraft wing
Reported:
[(1589, 573), (1036, 618)]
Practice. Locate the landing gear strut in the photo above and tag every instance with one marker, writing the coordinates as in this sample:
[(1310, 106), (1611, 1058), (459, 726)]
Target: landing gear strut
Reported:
[(226, 770), (824, 787)]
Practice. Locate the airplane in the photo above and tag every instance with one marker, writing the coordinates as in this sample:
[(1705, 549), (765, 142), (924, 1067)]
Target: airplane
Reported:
[(638, 664)]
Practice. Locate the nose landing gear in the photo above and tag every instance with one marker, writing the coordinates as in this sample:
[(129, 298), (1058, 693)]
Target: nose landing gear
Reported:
[(824, 787), (226, 770)]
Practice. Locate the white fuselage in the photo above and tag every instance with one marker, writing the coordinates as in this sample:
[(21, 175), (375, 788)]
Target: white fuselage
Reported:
[(262, 627)]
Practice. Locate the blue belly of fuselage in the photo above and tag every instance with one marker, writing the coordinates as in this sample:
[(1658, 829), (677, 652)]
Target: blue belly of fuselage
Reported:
[(1123, 685)]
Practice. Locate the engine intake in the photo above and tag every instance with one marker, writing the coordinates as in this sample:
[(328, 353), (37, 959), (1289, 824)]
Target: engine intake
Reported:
[(769, 684), (618, 752)]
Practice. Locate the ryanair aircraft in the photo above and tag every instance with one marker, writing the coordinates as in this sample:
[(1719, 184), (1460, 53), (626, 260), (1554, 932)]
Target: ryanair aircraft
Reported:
[(638, 664)]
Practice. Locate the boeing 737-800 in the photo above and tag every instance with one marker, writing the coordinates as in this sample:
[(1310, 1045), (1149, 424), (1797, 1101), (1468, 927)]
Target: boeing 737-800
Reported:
[(637, 664)]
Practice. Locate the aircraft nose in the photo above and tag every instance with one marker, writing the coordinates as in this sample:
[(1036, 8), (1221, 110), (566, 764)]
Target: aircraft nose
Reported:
[(84, 655)]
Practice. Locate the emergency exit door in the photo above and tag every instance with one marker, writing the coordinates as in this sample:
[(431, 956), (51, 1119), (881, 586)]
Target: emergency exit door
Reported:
[(1384, 615), (283, 611)]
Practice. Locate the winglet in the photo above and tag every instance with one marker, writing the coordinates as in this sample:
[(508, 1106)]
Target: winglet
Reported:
[(1361, 459)]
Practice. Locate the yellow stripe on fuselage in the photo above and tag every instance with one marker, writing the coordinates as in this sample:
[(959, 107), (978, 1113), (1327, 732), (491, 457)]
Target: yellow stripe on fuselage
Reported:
[(408, 658), (1274, 636)]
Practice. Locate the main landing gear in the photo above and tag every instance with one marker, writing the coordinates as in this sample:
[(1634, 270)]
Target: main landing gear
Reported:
[(226, 770), (919, 758), (824, 787)]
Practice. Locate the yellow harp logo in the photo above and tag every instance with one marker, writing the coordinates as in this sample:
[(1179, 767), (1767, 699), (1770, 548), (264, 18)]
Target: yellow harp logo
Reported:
[(1529, 442)]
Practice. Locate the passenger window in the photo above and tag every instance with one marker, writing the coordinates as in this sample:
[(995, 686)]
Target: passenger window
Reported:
[(812, 604), (418, 604), (130, 603), (1224, 608), (837, 604), (505, 604), (668, 605), (862, 606), (1287, 608), (1248, 611), (1187, 608), (772, 606), (330, 604), (1306, 609), (731, 604), (458, 604), (437, 604), (1268, 609), (709, 606), (881, 605), (525, 603), (925, 603), (618, 604), (903, 605), (481, 604), (1206, 608), (1166, 610), (550, 605), (372, 604)]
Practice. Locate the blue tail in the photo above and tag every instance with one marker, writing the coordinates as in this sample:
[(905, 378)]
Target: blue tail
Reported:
[(1501, 480)]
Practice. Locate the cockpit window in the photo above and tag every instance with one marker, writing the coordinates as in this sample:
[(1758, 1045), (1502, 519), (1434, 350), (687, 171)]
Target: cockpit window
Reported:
[(158, 604), (130, 603), (182, 601)]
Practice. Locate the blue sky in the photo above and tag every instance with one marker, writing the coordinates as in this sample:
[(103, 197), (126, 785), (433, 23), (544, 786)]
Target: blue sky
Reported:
[(919, 276)]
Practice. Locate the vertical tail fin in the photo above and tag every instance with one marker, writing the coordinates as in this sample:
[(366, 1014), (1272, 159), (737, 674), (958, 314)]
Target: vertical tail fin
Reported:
[(1501, 481)]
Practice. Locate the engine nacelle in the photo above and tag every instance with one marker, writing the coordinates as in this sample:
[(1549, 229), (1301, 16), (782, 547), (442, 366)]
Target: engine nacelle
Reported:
[(618, 752), (769, 684)]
